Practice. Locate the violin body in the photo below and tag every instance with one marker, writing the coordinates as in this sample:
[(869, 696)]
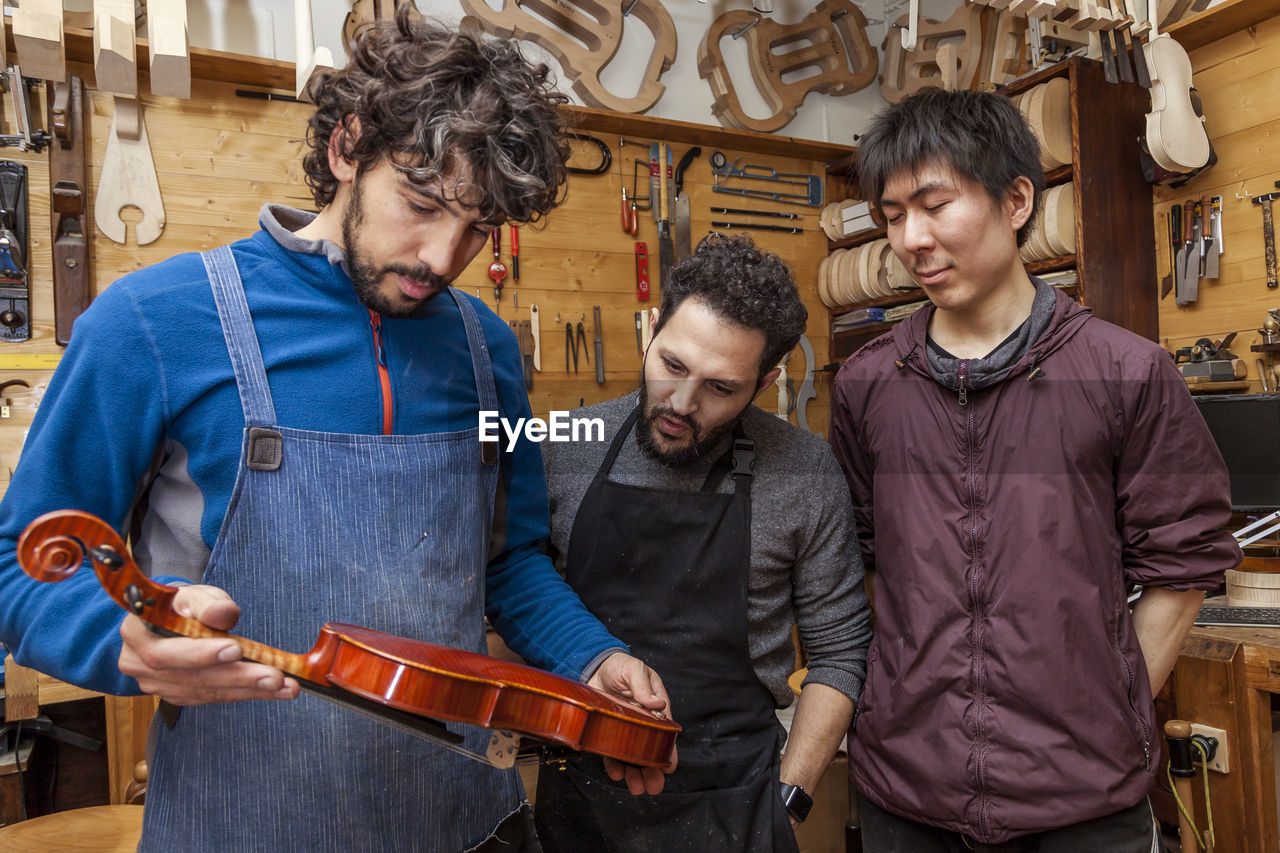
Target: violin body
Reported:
[(1175, 133), (411, 676)]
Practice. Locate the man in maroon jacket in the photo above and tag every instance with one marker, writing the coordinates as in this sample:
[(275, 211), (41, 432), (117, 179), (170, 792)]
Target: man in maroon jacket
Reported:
[(1017, 466)]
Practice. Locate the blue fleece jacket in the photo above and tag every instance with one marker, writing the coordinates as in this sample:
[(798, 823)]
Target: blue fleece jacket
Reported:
[(145, 395)]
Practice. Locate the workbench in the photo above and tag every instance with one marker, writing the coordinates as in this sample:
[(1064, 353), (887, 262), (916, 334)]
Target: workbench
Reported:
[(1225, 678)]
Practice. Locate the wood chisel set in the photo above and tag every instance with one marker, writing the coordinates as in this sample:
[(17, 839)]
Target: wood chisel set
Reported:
[(1195, 245)]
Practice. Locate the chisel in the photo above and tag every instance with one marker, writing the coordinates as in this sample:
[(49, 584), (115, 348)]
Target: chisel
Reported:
[(595, 310)]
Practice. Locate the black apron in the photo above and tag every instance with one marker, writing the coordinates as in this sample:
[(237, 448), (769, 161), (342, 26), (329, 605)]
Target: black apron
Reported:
[(666, 572)]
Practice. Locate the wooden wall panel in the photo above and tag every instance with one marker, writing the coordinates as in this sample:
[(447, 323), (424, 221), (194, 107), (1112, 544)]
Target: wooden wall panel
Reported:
[(1238, 78), (220, 157)]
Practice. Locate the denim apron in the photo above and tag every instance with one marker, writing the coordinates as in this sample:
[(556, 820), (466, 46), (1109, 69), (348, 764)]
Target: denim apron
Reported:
[(666, 572), (385, 531)]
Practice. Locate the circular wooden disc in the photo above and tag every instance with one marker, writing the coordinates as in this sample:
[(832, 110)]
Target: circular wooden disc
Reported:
[(1055, 118), (823, 266), (870, 270), (883, 267), (836, 277), (1051, 220), (1067, 217), (854, 274), (840, 291)]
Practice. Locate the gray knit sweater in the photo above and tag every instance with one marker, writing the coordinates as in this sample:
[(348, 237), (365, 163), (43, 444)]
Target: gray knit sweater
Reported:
[(805, 564)]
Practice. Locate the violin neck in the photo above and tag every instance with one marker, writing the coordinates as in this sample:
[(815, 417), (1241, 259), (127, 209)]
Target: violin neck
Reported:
[(299, 666)]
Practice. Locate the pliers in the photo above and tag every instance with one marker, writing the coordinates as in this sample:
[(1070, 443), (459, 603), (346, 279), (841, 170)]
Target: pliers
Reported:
[(571, 345)]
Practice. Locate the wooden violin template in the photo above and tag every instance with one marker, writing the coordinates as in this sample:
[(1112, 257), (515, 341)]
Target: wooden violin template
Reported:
[(406, 683)]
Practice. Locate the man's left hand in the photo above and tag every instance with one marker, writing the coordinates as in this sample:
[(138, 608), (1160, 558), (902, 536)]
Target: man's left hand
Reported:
[(627, 678)]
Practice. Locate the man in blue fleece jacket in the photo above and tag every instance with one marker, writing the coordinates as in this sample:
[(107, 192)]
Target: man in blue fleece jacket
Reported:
[(289, 426)]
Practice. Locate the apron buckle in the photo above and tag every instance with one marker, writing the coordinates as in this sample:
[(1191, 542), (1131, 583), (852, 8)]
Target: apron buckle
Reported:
[(266, 449)]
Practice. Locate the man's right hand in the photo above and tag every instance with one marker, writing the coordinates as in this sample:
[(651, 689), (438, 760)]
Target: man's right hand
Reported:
[(184, 671)]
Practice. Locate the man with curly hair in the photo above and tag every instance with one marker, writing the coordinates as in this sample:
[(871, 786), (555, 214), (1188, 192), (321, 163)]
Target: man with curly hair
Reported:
[(288, 426), (700, 532)]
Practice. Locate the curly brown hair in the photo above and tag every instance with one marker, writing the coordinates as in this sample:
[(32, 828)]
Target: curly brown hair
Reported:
[(432, 99)]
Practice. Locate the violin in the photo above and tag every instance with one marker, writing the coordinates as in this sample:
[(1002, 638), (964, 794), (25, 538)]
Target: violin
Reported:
[(1175, 134), (403, 682)]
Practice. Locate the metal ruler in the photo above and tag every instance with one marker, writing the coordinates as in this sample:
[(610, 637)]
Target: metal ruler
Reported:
[(29, 360)]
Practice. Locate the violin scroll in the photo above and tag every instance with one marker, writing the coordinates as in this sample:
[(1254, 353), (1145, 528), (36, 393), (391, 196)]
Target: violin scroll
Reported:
[(53, 546)]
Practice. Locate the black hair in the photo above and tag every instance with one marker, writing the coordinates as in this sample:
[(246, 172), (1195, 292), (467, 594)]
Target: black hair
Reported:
[(981, 136), (742, 284)]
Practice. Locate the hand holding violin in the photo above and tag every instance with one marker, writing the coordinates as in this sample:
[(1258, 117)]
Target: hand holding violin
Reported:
[(188, 671), (628, 678), (407, 682)]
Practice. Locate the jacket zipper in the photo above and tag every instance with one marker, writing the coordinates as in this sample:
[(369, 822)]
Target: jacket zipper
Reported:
[(1142, 721), (384, 375), (979, 687)]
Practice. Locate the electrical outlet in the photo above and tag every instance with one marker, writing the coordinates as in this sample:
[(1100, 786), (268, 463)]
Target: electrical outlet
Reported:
[(1219, 763)]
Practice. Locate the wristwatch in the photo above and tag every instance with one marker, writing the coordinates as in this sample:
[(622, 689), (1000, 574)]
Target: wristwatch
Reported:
[(798, 803)]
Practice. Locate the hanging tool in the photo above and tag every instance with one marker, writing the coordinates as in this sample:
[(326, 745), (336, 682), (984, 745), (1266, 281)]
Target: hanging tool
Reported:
[(128, 177), (524, 339), (683, 238), (1191, 272), (72, 275), (807, 391), (630, 219), (1268, 234), (786, 229), (1178, 249), (576, 344), (28, 138), (666, 247), (721, 170), (776, 214), (655, 183), (537, 338), (642, 272), (15, 292), (497, 269), (5, 402), (595, 311), (1213, 236), (515, 254), (606, 156), (640, 332)]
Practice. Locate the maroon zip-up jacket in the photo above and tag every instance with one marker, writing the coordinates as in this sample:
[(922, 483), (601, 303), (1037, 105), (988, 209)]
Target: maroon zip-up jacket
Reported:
[(1006, 692)]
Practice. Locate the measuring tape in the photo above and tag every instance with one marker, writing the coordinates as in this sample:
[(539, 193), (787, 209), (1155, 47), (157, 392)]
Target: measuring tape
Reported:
[(29, 360)]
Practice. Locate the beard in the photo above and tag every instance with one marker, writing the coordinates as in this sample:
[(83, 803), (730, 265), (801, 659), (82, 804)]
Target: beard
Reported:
[(367, 276), (700, 441)]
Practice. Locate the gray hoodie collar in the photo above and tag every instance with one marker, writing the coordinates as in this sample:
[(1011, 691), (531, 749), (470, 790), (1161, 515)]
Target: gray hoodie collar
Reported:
[(993, 367), (282, 221)]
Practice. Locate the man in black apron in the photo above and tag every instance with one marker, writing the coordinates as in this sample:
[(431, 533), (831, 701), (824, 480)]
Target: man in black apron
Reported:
[(699, 532)]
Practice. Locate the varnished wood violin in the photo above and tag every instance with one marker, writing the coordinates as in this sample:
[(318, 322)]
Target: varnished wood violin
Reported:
[(403, 682)]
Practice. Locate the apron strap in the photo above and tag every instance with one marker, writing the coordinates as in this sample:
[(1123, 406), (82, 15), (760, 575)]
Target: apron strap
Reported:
[(242, 340), (481, 367), (739, 460)]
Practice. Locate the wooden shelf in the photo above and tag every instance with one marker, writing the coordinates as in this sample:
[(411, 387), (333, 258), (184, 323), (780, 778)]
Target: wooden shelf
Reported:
[(1221, 21)]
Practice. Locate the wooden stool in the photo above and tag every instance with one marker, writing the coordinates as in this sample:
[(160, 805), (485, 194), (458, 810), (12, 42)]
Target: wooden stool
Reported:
[(97, 829)]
